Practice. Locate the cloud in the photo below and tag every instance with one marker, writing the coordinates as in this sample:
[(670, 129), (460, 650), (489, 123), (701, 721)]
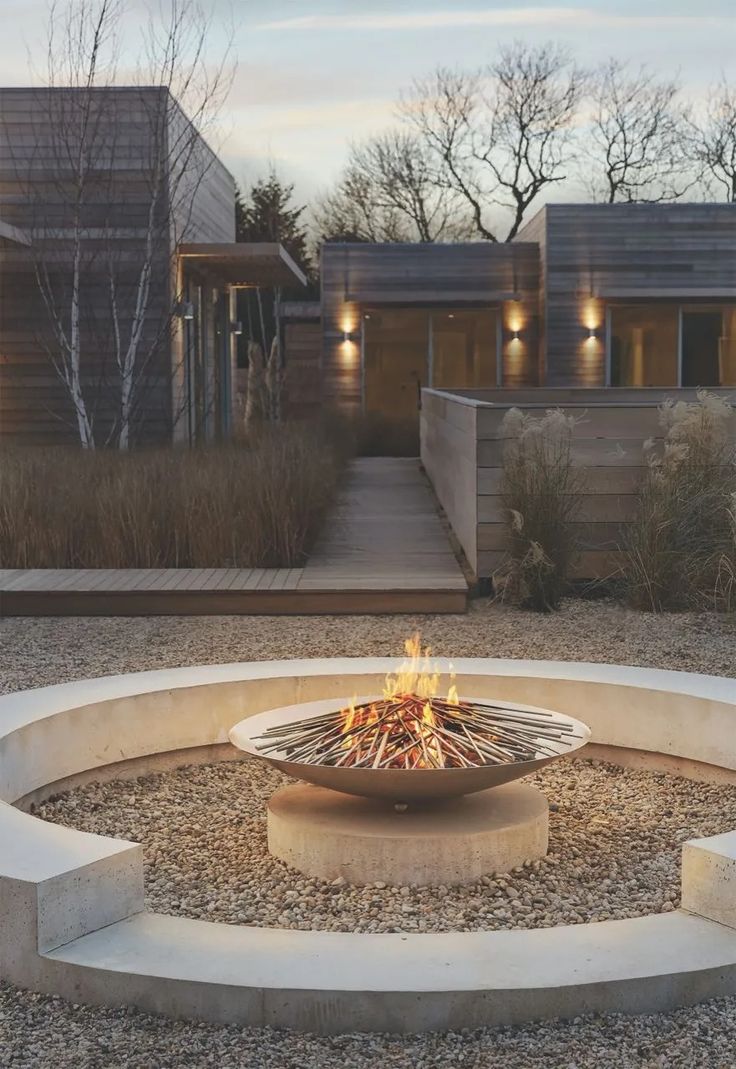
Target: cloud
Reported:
[(454, 19)]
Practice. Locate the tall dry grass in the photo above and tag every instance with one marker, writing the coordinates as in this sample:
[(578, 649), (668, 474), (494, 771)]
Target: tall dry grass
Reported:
[(540, 491), (680, 551), (255, 503)]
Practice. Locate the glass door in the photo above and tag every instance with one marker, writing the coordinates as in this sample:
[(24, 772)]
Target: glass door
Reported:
[(702, 330), (464, 349)]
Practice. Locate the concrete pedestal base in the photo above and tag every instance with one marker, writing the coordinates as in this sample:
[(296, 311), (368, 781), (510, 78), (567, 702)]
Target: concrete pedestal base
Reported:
[(326, 834)]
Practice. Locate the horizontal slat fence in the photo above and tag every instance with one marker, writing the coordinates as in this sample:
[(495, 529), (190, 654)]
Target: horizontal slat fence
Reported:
[(463, 443)]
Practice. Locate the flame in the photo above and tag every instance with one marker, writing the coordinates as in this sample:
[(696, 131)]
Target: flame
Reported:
[(416, 674), (410, 689)]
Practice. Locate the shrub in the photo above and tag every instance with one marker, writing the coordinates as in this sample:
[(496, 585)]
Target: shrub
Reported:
[(724, 592), (255, 503), (540, 493), (679, 551)]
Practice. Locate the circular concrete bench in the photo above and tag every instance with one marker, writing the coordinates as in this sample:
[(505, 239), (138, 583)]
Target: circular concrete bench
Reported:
[(72, 917)]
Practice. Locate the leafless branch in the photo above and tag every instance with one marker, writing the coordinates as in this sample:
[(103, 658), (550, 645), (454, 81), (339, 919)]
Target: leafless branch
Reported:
[(714, 138), (638, 137), (500, 136)]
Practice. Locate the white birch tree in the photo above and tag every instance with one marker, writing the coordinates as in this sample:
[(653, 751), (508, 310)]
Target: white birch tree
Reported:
[(179, 90)]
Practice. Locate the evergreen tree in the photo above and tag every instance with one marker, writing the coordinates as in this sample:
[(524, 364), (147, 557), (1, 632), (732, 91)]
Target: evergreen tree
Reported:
[(266, 213)]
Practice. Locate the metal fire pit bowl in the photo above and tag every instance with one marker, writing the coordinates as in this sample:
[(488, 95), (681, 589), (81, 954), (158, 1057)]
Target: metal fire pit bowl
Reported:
[(398, 785)]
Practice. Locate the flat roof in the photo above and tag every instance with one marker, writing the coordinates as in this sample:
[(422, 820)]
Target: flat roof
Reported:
[(8, 232), (245, 264)]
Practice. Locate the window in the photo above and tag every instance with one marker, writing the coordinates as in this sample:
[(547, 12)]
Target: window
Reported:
[(644, 345), (464, 348), (672, 345), (727, 347)]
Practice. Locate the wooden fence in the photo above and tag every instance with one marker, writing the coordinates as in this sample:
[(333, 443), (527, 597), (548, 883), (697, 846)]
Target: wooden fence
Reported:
[(462, 447)]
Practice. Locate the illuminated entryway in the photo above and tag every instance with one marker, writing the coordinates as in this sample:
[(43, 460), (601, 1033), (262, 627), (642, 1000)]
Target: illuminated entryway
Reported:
[(407, 348)]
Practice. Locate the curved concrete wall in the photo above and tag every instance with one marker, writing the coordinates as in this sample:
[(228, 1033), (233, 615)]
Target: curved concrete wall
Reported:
[(72, 917)]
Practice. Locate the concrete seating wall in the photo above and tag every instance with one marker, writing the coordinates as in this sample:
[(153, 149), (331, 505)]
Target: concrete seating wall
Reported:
[(72, 917)]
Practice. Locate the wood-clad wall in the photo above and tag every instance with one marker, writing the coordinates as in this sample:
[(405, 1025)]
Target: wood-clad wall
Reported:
[(203, 211), (598, 254), (460, 430), (449, 452), (355, 276), (34, 195), (535, 232), (302, 373), (206, 206)]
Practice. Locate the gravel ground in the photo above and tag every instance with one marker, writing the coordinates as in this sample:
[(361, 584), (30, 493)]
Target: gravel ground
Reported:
[(44, 1033), (37, 1032), (36, 652), (615, 839)]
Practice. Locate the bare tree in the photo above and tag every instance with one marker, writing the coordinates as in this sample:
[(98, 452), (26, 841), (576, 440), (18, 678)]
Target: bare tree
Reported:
[(119, 235), (354, 211), (714, 138), (389, 191), (501, 136), (639, 143), (81, 56)]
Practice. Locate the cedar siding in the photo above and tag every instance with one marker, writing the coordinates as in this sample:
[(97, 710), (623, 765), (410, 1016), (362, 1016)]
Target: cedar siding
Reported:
[(36, 187), (473, 275)]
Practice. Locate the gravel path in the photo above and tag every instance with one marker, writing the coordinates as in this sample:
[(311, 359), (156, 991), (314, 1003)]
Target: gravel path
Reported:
[(44, 1033), (615, 839)]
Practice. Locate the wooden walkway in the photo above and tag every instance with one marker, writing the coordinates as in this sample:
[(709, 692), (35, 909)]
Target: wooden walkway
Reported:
[(383, 551)]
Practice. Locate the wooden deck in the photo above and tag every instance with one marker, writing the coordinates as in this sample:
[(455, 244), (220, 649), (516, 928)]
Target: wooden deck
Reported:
[(383, 551)]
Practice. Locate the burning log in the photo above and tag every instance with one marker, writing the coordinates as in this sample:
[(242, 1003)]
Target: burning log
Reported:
[(408, 731)]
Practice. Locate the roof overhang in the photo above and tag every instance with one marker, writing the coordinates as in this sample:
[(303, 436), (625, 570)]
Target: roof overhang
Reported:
[(244, 264), (715, 293), (8, 232)]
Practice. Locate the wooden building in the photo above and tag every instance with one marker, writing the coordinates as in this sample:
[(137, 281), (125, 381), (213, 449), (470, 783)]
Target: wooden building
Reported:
[(117, 243), (623, 295)]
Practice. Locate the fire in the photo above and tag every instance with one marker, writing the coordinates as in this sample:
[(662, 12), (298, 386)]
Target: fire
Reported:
[(405, 723), (416, 674), (413, 727)]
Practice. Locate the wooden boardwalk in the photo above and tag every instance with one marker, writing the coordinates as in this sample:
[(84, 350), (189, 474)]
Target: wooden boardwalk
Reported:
[(384, 550)]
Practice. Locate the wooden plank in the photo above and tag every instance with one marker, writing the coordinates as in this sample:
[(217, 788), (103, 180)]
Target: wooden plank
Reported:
[(384, 549), (233, 602)]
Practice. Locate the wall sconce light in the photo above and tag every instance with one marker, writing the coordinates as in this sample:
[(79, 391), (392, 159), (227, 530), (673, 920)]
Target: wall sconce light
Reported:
[(592, 334), (515, 335), (351, 335), (185, 310), (236, 327)]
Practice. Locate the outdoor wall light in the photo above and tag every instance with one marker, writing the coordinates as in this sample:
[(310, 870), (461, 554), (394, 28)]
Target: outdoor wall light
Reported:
[(185, 310), (351, 335), (236, 327), (592, 334)]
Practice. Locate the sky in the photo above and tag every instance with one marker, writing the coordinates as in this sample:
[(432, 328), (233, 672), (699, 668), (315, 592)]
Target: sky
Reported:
[(311, 76)]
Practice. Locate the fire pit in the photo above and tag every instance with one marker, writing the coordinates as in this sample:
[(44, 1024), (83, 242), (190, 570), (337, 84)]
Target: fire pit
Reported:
[(430, 779)]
